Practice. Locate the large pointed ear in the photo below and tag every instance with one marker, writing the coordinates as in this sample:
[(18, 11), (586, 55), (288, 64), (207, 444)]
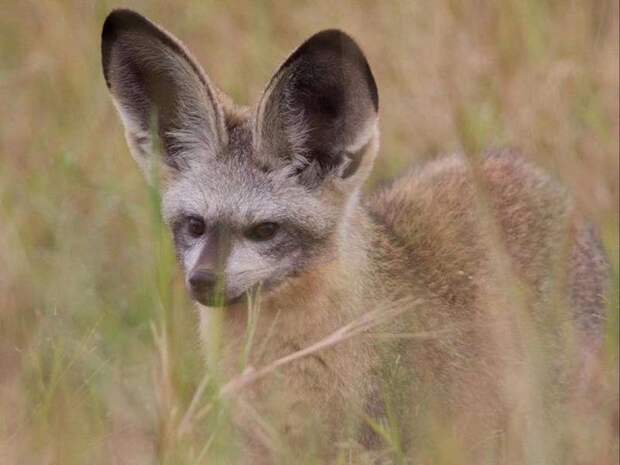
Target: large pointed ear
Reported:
[(318, 114), (169, 108)]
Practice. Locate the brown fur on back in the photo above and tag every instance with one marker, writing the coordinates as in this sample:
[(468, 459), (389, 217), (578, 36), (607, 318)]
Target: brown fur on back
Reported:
[(440, 224), (504, 266)]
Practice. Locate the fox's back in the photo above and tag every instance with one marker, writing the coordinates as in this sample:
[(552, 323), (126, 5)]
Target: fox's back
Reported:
[(482, 245), (452, 226), (438, 223)]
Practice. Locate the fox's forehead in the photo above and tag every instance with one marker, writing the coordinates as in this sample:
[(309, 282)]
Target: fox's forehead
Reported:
[(232, 189), (219, 189)]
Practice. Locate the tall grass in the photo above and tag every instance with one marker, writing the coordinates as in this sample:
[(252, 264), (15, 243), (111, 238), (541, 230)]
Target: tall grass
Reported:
[(100, 361)]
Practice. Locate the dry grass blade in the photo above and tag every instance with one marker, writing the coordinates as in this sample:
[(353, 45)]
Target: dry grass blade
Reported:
[(362, 324)]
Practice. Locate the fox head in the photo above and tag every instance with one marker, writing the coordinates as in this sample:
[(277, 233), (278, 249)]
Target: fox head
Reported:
[(252, 198)]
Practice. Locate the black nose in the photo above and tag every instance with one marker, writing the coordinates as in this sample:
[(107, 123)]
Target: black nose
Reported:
[(203, 281)]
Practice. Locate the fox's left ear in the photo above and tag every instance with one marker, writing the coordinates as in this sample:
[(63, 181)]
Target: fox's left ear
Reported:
[(318, 115), (170, 110)]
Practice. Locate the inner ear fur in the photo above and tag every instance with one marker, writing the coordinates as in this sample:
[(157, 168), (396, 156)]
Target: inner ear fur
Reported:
[(165, 100), (318, 113)]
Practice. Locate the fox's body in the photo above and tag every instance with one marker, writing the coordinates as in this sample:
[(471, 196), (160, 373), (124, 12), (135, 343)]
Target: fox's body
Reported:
[(454, 333), (454, 253)]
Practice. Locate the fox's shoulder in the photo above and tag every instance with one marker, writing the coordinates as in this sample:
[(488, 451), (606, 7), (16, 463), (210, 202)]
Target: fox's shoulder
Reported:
[(451, 191), (438, 218), (453, 179)]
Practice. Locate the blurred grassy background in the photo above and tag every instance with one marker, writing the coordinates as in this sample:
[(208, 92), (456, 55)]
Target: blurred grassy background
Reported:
[(88, 286)]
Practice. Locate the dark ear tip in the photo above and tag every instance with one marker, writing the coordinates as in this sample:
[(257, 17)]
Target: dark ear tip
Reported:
[(332, 35), (335, 40), (120, 19), (331, 39), (117, 21)]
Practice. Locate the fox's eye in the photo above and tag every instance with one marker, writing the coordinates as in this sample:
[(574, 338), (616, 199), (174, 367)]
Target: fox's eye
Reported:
[(195, 226), (262, 231)]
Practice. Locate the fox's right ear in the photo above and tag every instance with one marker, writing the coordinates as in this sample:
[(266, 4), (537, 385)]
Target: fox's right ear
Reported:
[(318, 115), (169, 108)]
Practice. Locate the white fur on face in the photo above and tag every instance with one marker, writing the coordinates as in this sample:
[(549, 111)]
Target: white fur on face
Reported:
[(238, 197)]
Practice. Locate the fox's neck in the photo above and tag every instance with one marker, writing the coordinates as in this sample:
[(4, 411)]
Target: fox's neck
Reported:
[(312, 305), (332, 285)]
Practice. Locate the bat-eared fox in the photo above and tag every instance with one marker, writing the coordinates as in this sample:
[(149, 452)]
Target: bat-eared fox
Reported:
[(459, 272)]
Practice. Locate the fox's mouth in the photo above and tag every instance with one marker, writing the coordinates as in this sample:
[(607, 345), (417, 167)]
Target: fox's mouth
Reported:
[(215, 300), (221, 300)]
